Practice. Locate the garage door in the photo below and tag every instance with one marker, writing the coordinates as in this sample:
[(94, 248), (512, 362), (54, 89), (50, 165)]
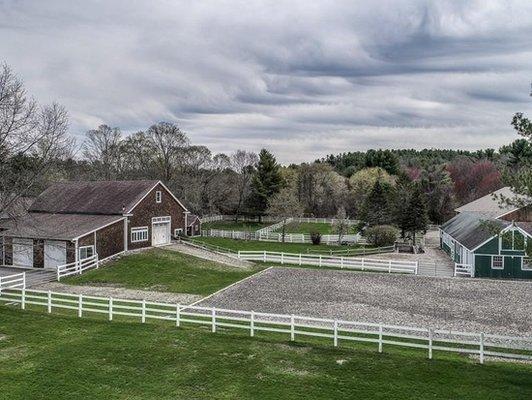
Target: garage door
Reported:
[(23, 252), (160, 233), (54, 253)]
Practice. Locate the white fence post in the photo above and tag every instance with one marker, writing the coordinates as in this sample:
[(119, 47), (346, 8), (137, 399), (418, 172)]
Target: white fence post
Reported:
[(390, 266), (362, 264), (341, 262), (24, 280), (299, 258), (110, 308), (320, 261), (252, 324), (380, 338), (178, 315), (143, 318), (417, 266), (335, 333), (481, 352), (214, 319), (264, 256), (80, 306), (282, 258), (23, 300), (430, 343), (292, 328), (49, 301)]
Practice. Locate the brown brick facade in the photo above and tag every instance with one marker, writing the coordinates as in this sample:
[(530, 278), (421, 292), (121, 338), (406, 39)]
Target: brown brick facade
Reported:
[(148, 208)]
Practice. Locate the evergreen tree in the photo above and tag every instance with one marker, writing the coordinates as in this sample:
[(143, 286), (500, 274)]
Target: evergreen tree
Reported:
[(266, 182), (401, 202), (376, 210), (416, 212)]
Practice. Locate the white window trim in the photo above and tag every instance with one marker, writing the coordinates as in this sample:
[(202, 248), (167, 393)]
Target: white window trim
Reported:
[(86, 247), (158, 196), (165, 219), (178, 231), (493, 259), (135, 231), (523, 264)]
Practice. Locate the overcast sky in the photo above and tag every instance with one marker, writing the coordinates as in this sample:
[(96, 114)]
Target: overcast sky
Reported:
[(302, 78)]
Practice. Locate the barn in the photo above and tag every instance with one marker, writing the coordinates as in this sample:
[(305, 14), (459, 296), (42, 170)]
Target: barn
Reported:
[(71, 221), (489, 239)]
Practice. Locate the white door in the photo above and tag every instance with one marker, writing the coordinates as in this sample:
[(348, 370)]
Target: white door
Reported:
[(160, 234), (54, 253), (23, 252)]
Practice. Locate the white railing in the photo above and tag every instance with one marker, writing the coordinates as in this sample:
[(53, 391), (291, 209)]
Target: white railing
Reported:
[(77, 267), (337, 331), (272, 228), (320, 260), (278, 237), (323, 220), (13, 281), (463, 269), (211, 218), (355, 251)]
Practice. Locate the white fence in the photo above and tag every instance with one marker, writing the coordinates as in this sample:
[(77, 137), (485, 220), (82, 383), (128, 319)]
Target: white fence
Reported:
[(463, 270), (77, 267), (322, 220), (278, 237), (13, 281), (272, 228), (337, 331), (362, 264), (212, 218)]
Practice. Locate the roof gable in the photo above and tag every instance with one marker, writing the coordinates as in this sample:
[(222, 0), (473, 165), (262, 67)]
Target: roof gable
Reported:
[(489, 205), (92, 197)]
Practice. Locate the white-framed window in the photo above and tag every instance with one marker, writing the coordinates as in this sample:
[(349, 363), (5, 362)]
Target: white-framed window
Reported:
[(178, 232), (158, 196), (139, 234), (85, 252), (527, 264), (497, 262), (512, 240)]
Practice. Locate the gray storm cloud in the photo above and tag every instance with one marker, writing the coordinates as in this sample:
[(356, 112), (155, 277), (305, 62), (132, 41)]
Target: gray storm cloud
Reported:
[(302, 78)]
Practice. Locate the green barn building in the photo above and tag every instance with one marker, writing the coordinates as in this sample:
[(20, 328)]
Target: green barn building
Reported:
[(486, 239)]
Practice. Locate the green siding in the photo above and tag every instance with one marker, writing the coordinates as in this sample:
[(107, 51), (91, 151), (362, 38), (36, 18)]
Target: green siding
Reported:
[(446, 249), (512, 268), (492, 247)]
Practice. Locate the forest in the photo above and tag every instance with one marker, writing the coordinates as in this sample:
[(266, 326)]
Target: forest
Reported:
[(403, 187)]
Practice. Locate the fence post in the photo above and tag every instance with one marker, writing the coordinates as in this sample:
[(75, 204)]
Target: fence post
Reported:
[(23, 300), (264, 256), (362, 264), (299, 258), (430, 343), (282, 258), (481, 348), (57, 270), (417, 265), (341, 261), (335, 333), (252, 324), (80, 306), (143, 311), (320, 261), (110, 308), (214, 319), (97, 261), (177, 315), (49, 301), (390, 266), (292, 328), (380, 338), (24, 280)]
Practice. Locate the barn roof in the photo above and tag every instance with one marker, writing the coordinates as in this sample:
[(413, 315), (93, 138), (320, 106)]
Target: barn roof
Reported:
[(57, 226), (490, 205), (469, 228), (92, 197)]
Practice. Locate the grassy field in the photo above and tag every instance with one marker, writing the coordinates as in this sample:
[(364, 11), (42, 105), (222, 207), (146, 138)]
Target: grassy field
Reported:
[(165, 271), (50, 356), (235, 226), (234, 244)]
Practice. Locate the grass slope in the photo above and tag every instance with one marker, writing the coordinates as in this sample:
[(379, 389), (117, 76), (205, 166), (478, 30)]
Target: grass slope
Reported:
[(60, 357), (163, 270), (235, 226)]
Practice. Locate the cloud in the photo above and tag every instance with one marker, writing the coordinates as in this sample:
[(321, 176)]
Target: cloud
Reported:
[(302, 78)]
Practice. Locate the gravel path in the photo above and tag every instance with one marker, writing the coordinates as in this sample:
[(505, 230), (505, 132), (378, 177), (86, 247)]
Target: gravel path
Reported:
[(209, 255), (474, 305), (118, 292)]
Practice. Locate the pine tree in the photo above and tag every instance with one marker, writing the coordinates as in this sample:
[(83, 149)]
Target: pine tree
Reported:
[(376, 210), (416, 212), (402, 196), (266, 182)]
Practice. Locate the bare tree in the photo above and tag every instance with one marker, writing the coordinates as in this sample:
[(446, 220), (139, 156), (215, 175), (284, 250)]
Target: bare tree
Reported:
[(168, 143), (284, 204), (102, 147), (32, 138), (340, 225), (243, 163)]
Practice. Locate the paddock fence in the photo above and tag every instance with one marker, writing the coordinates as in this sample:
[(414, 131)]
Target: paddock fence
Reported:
[(278, 237), (13, 281), (335, 331), (272, 228), (77, 267), (319, 260)]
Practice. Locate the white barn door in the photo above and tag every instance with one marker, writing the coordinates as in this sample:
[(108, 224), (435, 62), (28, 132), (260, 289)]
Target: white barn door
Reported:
[(54, 253), (160, 232), (23, 252)]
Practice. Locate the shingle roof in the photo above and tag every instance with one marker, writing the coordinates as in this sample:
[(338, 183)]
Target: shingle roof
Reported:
[(57, 226), (489, 205), (468, 228), (96, 197)]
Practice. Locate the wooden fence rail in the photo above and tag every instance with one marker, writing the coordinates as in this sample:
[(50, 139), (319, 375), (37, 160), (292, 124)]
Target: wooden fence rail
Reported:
[(294, 326), (13, 281), (278, 237), (77, 267)]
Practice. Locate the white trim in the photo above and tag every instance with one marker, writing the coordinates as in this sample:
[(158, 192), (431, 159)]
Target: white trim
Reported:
[(149, 191), (502, 260), (138, 229), (158, 196), (94, 230), (176, 234), (166, 220), (93, 247)]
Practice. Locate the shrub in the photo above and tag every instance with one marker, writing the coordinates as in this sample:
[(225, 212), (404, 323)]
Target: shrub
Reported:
[(381, 235), (315, 237)]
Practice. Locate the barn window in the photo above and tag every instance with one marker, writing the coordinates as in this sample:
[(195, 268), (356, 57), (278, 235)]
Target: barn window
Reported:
[(513, 240), (158, 196), (139, 234), (86, 252), (178, 232), (527, 264), (497, 262)]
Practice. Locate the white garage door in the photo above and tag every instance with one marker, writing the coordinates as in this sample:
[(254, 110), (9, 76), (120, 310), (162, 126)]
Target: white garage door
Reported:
[(160, 233), (54, 253), (23, 252)]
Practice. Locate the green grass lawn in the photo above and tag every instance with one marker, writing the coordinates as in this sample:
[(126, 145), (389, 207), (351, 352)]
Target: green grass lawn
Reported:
[(50, 356), (234, 244), (235, 226), (165, 271)]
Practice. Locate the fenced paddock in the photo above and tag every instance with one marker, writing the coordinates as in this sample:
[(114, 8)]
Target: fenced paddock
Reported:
[(335, 331), (319, 260), (270, 236)]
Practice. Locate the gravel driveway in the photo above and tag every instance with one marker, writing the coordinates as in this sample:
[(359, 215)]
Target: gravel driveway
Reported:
[(500, 307)]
